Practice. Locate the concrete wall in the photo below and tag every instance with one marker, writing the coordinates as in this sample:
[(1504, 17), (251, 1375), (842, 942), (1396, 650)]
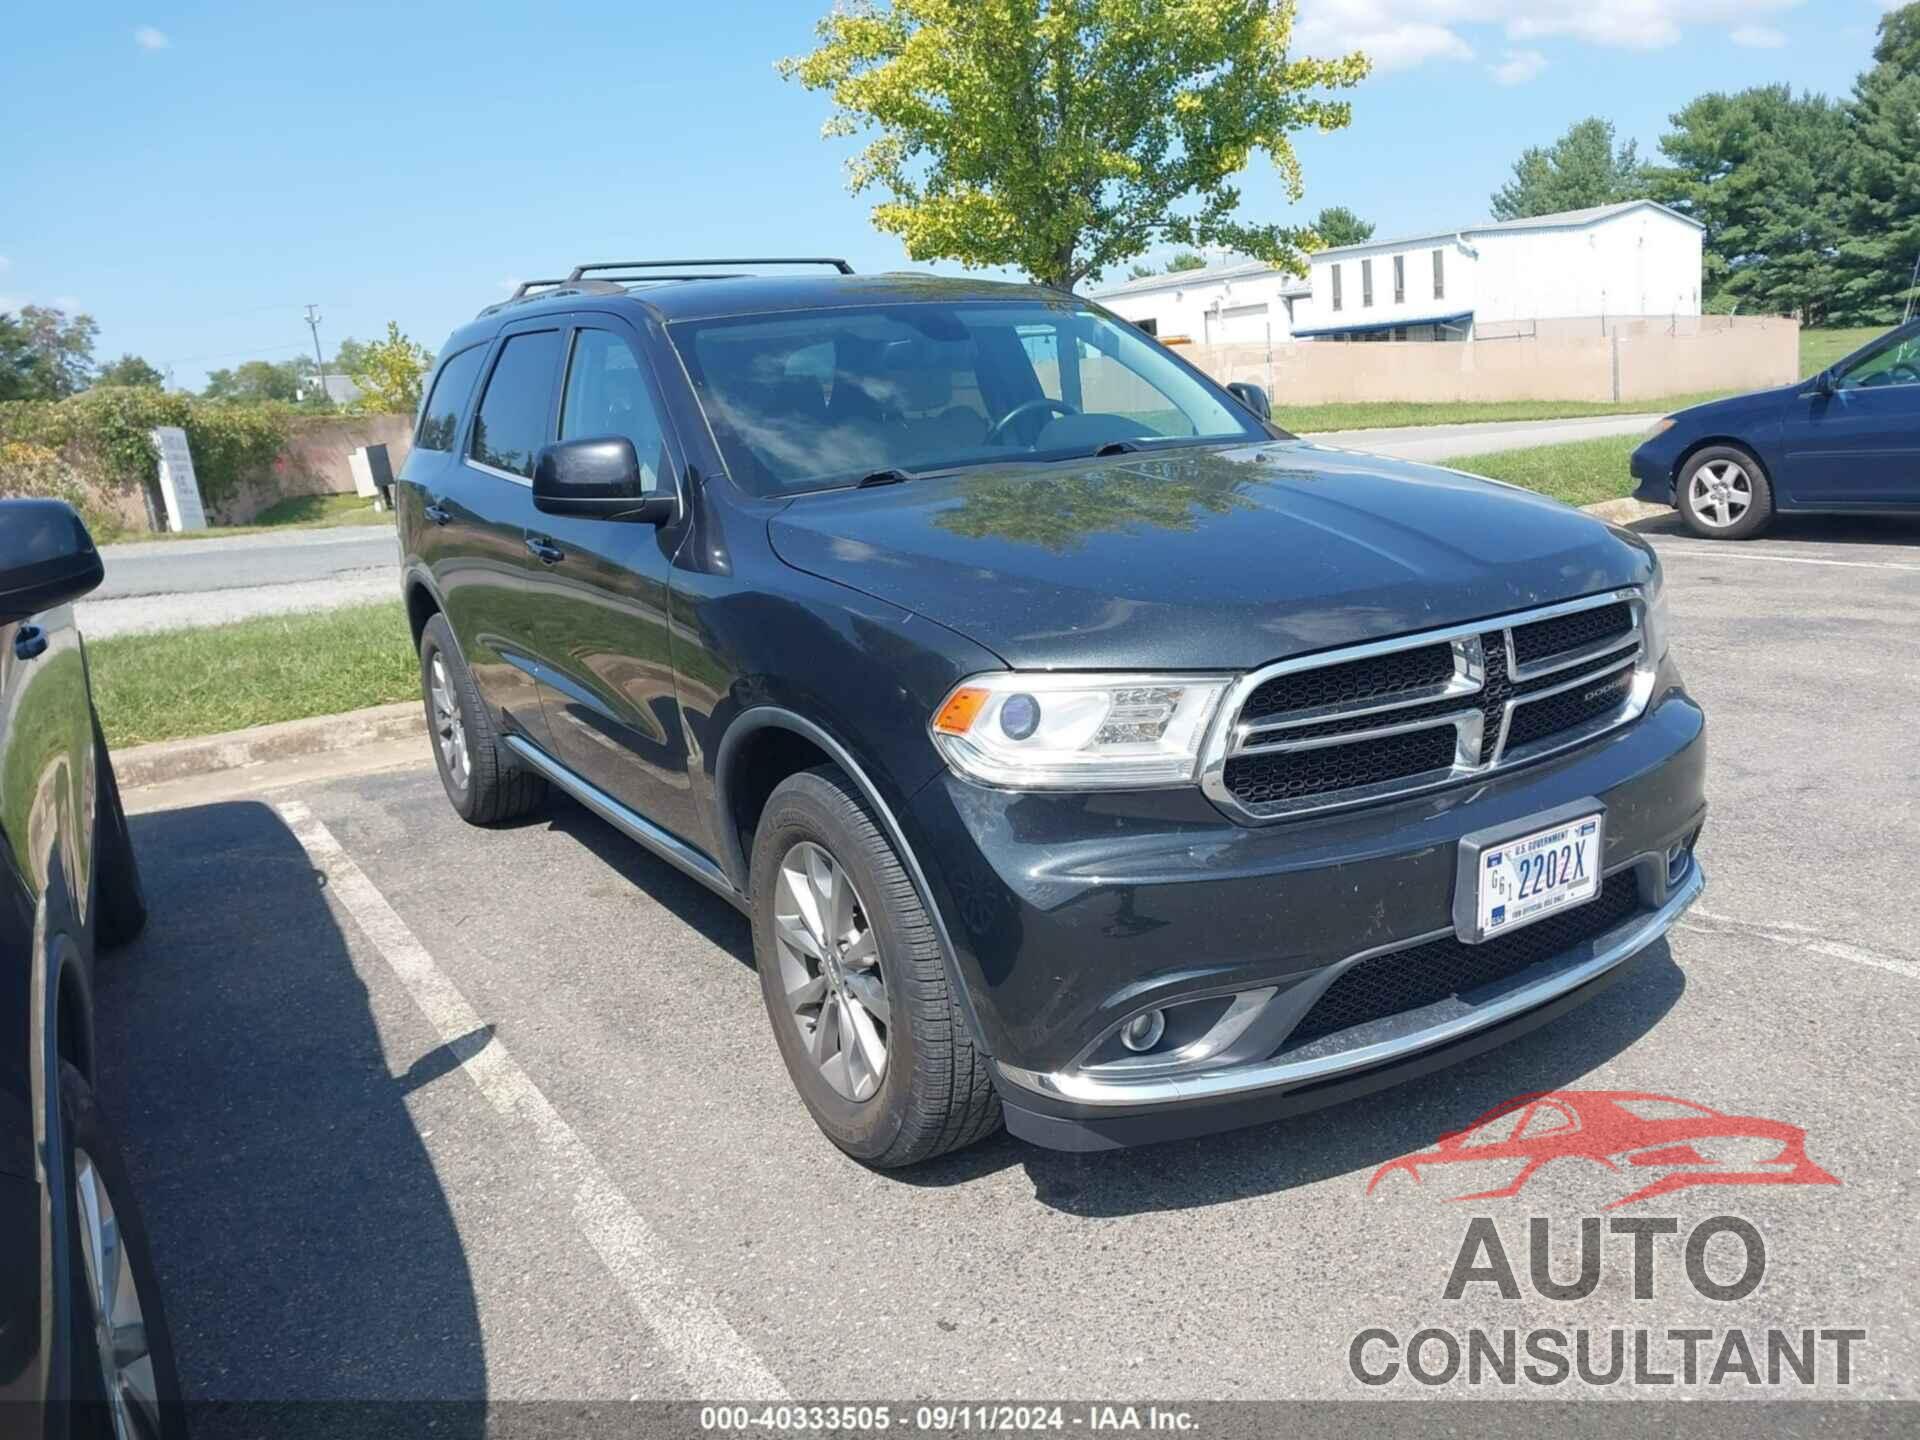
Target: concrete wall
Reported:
[(1656, 358), (314, 461)]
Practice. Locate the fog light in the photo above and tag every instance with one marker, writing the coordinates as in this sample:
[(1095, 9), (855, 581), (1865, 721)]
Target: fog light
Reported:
[(1143, 1032)]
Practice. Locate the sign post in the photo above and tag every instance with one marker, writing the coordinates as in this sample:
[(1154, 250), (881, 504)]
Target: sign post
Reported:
[(178, 485)]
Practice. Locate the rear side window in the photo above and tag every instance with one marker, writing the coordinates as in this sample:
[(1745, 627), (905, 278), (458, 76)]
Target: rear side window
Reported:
[(512, 423), (440, 416)]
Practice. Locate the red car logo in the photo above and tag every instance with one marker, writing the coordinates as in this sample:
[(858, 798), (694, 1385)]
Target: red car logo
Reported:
[(1624, 1131)]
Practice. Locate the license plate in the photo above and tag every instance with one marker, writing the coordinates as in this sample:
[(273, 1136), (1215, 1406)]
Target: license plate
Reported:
[(1537, 875)]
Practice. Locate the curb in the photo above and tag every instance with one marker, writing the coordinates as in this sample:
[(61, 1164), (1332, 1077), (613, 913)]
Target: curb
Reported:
[(1625, 511), (207, 754)]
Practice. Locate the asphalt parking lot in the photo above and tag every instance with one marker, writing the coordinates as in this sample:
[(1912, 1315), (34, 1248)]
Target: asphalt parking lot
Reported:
[(419, 1110)]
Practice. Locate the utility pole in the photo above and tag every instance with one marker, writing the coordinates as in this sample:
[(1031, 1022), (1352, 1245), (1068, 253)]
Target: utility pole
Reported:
[(313, 324)]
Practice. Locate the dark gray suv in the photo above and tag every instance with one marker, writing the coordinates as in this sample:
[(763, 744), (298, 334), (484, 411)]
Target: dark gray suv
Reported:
[(1086, 750)]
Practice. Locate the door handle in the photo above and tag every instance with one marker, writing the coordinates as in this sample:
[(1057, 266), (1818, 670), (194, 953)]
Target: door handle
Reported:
[(29, 641), (544, 550), (437, 515)]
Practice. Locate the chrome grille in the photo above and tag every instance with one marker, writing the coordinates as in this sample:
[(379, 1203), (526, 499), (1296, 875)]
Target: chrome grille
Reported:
[(1395, 717)]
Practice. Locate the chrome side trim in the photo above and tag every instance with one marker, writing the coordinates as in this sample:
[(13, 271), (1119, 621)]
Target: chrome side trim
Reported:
[(674, 851), (1613, 948)]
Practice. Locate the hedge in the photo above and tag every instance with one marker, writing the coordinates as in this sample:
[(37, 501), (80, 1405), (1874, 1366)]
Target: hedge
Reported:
[(101, 442)]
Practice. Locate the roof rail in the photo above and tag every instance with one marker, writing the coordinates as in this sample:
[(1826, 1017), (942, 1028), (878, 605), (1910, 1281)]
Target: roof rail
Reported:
[(579, 271), (527, 285)]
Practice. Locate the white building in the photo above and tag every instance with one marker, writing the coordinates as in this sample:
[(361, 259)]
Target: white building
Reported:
[(1497, 279), (1233, 301)]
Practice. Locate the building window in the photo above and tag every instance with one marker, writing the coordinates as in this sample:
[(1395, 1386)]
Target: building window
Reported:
[(1151, 326), (1366, 283), (1439, 274), (1399, 279), (1336, 287)]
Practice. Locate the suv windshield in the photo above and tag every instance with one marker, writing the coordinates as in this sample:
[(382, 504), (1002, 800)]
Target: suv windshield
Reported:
[(822, 398)]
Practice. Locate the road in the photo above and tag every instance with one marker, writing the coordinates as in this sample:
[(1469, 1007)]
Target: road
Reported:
[(423, 1110), (167, 584)]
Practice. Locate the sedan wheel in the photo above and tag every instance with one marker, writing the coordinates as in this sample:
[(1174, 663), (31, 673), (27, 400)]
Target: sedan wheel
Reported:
[(119, 1327), (830, 971), (1722, 493)]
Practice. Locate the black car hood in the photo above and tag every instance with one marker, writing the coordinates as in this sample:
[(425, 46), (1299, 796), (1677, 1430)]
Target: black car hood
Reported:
[(1203, 557)]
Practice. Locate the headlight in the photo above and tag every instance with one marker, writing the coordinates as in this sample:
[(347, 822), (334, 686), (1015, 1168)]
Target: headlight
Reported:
[(1659, 427), (1658, 621), (1078, 732)]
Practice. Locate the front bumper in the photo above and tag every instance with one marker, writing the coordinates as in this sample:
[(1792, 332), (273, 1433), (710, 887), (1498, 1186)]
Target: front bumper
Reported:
[(1652, 466), (1071, 913)]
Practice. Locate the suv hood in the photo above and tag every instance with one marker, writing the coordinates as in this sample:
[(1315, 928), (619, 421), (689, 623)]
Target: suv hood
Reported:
[(1203, 558)]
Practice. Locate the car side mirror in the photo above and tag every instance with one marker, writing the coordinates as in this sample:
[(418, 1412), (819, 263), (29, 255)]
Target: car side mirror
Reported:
[(47, 558), (598, 478), (1251, 396), (1823, 384)]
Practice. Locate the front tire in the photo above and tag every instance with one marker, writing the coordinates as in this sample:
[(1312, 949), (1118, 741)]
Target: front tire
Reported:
[(485, 784), (855, 984), (1723, 494), (124, 1382)]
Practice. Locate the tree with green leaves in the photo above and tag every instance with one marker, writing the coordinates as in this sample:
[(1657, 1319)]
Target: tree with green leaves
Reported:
[(1882, 218), (1763, 170), (1336, 225), (1581, 169), (130, 370), (1064, 137), (390, 373), (256, 380), (1186, 260), (59, 350), (16, 360)]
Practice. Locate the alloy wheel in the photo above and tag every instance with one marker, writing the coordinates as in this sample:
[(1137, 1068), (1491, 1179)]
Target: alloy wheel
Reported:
[(1721, 492), (448, 726), (829, 962), (119, 1327)]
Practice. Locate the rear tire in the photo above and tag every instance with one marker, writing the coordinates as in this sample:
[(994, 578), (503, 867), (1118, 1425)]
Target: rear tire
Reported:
[(119, 898), (484, 782), (888, 982), (137, 1392), (1724, 494)]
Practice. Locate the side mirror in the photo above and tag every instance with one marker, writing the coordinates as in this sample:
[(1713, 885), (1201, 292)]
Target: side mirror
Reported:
[(1251, 396), (598, 478), (46, 557), (1823, 384)]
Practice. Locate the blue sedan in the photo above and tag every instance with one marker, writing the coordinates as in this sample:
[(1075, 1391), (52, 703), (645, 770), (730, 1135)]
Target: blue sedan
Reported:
[(1846, 441)]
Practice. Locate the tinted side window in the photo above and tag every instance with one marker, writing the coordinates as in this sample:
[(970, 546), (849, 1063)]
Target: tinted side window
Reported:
[(440, 416), (512, 423), (607, 394)]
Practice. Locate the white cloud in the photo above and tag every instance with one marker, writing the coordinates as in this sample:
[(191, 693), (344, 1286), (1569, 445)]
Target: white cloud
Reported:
[(1518, 67), (1400, 34), (148, 38), (1759, 37)]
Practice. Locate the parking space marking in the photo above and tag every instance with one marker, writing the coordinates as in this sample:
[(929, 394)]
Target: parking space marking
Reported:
[(708, 1352), (1803, 936), (1724, 552)]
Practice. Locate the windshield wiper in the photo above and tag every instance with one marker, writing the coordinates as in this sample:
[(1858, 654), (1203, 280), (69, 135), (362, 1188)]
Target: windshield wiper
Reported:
[(890, 476)]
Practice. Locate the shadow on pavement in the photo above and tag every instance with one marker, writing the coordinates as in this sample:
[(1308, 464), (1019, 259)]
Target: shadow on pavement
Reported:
[(1351, 1139), (306, 1249)]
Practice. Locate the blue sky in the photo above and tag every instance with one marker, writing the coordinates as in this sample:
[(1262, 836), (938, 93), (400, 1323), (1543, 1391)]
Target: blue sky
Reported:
[(193, 175)]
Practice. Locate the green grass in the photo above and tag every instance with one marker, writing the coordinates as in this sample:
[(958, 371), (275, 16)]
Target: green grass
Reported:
[(253, 672), (1820, 348), (1378, 415), (1580, 473), (296, 512)]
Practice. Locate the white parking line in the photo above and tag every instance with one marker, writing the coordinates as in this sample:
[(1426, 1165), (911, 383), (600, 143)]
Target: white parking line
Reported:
[(707, 1350), (1726, 551), (1805, 937)]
